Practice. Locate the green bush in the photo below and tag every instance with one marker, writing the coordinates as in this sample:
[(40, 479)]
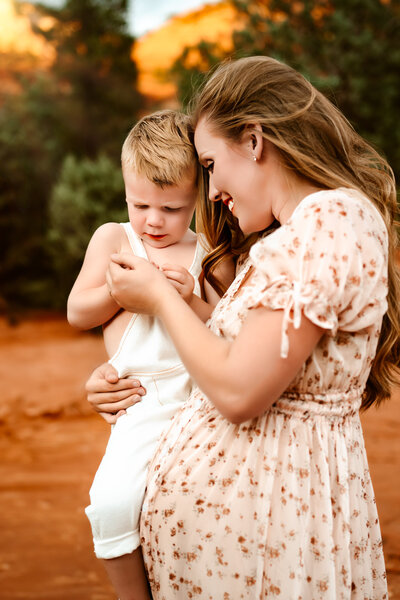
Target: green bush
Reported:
[(87, 194)]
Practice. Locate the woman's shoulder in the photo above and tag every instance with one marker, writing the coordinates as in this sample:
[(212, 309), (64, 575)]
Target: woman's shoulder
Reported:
[(325, 223), (339, 203)]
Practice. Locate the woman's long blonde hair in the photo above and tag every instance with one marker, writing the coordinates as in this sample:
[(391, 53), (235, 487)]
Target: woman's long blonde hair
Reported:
[(318, 143)]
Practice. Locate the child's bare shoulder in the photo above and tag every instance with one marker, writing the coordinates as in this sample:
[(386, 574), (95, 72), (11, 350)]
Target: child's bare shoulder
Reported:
[(109, 230), (108, 235)]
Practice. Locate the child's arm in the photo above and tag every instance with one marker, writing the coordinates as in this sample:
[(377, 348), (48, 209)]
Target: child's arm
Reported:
[(90, 303), (183, 281)]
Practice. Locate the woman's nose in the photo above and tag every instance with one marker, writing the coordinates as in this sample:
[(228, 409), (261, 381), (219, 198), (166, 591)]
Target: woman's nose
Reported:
[(213, 194)]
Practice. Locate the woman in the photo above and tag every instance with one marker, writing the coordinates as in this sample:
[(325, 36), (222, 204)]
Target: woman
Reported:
[(260, 487)]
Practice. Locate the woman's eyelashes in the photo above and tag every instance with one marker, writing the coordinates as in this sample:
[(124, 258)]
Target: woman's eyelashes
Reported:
[(210, 166)]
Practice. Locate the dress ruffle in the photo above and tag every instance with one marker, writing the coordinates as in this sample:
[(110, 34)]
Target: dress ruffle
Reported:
[(296, 298)]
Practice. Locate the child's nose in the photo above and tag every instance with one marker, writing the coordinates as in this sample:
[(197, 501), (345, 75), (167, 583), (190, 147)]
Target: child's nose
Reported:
[(155, 218)]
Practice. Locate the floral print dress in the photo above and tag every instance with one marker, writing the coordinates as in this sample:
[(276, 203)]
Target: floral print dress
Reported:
[(282, 506)]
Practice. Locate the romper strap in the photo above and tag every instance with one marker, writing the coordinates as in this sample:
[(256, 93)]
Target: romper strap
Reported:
[(135, 242)]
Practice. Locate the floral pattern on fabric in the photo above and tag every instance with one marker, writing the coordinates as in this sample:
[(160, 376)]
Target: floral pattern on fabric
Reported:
[(282, 506)]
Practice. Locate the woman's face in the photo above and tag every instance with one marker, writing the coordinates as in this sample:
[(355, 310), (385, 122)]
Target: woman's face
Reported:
[(235, 178)]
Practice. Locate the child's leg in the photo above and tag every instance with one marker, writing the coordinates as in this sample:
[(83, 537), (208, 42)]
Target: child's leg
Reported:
[(128, 576), (117, 494)]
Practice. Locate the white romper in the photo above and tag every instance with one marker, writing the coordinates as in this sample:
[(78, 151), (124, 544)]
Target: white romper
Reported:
[(147, 353)]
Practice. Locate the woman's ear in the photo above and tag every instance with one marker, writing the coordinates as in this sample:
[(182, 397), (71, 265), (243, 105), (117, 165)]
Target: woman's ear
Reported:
[(253, 140)]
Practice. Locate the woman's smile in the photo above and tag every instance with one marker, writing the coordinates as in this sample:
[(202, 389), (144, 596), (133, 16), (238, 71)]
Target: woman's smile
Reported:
[(229, 202)]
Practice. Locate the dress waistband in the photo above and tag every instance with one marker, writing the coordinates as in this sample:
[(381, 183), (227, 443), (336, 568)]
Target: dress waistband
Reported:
[(331, 404)]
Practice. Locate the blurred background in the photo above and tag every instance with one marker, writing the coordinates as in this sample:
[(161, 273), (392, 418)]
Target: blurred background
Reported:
[(74, 80), (75, 75)]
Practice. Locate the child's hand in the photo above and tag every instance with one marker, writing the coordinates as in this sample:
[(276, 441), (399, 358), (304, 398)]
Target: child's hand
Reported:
[(181, 279)]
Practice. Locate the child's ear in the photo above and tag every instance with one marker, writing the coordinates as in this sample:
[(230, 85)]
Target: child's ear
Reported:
[(253, 140)]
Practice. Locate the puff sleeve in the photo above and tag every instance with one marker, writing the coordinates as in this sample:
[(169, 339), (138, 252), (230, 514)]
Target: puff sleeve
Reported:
[(328, 262)]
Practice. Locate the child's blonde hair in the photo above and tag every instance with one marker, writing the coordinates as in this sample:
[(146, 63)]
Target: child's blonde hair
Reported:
[(316, 141), (159, 148)]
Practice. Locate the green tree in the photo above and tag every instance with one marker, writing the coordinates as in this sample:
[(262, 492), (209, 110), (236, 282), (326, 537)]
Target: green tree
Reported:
[(97, 98), (28, 163), (190, 68), (83, 105), (87, 194), (348, 48)]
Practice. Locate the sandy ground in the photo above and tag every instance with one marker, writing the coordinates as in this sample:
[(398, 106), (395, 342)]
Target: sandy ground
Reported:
[(51, 444)]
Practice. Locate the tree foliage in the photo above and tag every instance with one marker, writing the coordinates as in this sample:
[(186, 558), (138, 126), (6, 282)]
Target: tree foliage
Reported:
[(83, 105), (87, 194), (348, 48), (190, 68), (97, 98), (28, 164)]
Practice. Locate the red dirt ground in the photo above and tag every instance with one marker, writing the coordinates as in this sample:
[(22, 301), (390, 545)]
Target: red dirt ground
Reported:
[(51, 444)]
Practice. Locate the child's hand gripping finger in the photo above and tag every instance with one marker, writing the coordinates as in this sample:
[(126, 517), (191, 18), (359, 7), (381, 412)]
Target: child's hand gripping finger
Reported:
[(181, 279)]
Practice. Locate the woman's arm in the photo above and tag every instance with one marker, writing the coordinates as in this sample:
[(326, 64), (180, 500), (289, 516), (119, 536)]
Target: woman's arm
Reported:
[(242, 377), (90, 303)]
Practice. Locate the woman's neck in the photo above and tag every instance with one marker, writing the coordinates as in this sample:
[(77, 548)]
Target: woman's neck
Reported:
[(296, 190)]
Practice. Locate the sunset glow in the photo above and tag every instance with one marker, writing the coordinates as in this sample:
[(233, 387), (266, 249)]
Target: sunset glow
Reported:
[(16, 35), (156, 51)]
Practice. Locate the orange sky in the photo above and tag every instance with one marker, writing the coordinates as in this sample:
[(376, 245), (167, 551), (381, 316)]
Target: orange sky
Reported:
[(157, 50), (16, 35), (154, 52)]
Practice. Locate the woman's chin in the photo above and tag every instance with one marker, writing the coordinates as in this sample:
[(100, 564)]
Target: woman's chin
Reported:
[(245, 229), (260, 226)]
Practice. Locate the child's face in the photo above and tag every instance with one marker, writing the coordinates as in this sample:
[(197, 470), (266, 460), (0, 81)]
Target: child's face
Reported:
[(160, 216)]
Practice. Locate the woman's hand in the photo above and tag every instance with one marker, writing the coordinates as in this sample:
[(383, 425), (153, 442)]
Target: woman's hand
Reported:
[(181, 279), (111, 396), (137, 285)]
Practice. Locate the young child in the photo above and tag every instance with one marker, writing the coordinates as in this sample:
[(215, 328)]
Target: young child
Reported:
[(160, 174)]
